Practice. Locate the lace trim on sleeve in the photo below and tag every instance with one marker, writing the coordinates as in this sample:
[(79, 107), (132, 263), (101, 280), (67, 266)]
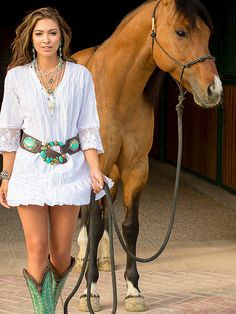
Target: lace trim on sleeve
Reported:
[(90, 138), (9, 140)]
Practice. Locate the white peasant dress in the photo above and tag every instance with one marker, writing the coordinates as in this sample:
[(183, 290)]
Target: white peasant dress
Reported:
[(25, 107)]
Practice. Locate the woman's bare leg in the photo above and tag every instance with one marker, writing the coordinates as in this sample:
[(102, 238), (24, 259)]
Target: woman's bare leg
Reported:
[(63, 220), (34, 220)]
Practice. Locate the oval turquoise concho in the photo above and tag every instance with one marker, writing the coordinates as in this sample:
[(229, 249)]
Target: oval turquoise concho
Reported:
[(74, 145), (29, 143)]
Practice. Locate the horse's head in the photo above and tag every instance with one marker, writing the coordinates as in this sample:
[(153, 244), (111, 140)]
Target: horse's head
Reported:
[(181, 32)]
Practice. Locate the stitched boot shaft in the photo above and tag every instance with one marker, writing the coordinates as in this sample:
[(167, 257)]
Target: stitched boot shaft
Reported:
[(58, 280), (41, 294)]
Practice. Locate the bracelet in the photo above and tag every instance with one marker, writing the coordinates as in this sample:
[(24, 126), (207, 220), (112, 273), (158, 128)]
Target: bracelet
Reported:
[(4, 175)]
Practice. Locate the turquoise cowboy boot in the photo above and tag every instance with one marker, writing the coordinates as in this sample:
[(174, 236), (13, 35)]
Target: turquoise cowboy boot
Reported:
[(41, 293), (58, 280)]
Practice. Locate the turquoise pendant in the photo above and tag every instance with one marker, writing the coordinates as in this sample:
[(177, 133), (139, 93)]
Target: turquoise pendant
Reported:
[(29, 142)]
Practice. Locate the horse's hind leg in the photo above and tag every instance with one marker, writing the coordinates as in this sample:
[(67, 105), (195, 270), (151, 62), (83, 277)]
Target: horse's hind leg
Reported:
[(133, 183), (104, 260), (96, 234), (82, 239)]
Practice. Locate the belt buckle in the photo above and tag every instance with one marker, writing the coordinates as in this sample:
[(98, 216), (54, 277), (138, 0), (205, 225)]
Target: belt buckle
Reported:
[(50, 160)]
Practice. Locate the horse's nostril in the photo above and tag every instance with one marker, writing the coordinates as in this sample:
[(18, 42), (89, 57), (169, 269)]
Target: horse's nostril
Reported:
[(210, 90)]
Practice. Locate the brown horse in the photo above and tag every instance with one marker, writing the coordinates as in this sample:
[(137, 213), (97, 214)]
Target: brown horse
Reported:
[(159, 36)]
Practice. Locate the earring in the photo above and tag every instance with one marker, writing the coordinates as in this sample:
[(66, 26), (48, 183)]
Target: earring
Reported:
[(60, 50), (33, 52)]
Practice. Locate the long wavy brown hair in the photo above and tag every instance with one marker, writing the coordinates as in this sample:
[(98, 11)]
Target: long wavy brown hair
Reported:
[(22, 44)]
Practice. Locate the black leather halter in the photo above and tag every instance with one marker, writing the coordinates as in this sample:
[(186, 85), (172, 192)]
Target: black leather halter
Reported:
[(183, 65)]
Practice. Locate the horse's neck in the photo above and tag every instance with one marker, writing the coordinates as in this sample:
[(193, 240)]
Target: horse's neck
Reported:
[(127, 55)]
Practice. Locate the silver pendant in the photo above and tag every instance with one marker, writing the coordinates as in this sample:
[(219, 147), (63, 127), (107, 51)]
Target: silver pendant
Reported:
[(50, 91), (50, 81)]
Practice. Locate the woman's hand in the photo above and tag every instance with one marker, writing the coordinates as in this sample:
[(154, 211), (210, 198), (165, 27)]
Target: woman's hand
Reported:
[(96, 174), (97, 180), (3, 193)]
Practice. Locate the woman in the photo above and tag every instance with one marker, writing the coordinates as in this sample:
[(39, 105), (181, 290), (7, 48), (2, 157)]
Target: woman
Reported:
[(49, 139)]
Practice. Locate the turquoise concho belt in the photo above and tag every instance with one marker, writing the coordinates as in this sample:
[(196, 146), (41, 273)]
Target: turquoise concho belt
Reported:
[(45, 150)]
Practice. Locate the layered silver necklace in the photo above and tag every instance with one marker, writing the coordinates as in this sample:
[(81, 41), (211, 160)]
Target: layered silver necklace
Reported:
[(50, 80)]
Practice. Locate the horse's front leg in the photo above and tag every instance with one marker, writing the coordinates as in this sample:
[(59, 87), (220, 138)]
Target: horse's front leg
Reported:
[(96, 234), (133, 183), (104, 259)]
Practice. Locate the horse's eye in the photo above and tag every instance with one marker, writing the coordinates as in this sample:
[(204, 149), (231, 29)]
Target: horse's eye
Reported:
[(181, 33)]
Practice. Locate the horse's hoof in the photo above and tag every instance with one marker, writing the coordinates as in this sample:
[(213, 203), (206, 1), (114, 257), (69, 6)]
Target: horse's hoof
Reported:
[(135, 304), (104, 264), (79, 263), (95, 303)]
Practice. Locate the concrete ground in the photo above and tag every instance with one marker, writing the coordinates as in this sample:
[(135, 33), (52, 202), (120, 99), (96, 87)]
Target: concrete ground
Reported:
[(195, 273)]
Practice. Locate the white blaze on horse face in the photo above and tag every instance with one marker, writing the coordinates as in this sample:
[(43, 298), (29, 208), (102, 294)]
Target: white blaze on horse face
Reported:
[(217, 86), (212, 97)]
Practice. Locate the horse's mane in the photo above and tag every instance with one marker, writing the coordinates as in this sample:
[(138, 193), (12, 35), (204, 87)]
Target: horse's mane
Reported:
[(190, 9), (129, 16)]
